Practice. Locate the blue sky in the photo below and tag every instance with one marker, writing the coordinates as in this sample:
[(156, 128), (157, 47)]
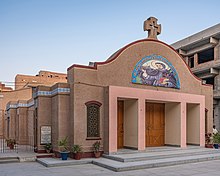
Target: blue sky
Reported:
[(54, 34)]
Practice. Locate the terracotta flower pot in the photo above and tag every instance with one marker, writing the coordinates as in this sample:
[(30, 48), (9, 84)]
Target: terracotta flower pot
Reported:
[(11, 146), (78, 156), (208, 145), (97, 154)]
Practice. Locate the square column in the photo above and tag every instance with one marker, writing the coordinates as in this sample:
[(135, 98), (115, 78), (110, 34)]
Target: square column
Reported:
[(202, 123), (183, 125), (112, 124), (141, 124)]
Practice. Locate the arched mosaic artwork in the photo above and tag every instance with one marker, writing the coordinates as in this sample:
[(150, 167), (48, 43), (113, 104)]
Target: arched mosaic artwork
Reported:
[(155, 70)]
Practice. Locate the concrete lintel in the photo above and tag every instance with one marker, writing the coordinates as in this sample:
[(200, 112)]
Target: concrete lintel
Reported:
[(199, 49), (182, 52), (213, 41), (214, 71)]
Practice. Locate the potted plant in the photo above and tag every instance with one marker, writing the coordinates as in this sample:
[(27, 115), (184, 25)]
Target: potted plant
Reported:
[(208, 140), (11, 143), (77, 150), (63, 148), (216, 140), (48, 147), (96, 148)]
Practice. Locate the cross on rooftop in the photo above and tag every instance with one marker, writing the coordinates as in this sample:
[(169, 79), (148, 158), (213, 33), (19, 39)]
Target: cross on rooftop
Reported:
[(152, 27)]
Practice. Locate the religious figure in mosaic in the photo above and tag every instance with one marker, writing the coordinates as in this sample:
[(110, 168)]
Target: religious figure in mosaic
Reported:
[(155, 71)]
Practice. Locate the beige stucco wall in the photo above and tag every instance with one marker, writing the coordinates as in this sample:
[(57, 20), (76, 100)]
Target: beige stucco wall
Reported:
[(54, 122), (60, 119), (53, 110), (21, 122), (79, 118), (131, 123), (44, 116), (23, 125), (6, 97), (2, 115), (21, 117), (63, 115), (192, 120), (172, 123), (30, 128), (23, 94), (209, 107), (46, 78), (12, 127)]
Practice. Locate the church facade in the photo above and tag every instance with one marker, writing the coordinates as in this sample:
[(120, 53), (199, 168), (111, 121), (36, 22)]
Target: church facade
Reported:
[(144, 95)]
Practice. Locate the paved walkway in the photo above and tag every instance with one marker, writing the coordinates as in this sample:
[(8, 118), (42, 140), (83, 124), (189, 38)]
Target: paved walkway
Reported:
[(35, 169)]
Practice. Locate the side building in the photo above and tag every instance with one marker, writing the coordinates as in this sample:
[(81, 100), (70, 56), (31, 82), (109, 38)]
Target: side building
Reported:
[(4, 88), (21, 97), (42, 78), (201, 52)]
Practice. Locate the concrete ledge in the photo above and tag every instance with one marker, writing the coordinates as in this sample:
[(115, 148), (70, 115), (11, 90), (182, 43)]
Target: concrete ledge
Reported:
[(151, 158), (27, 159), (118, 166), (55, 162), (4, 160), (158, 155)]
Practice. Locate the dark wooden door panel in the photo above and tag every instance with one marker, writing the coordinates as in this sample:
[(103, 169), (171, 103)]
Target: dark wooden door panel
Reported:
[(155, 124), (120, 127)]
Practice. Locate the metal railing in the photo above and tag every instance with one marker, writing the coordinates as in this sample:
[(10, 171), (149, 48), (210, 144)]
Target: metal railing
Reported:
[(4, 148)]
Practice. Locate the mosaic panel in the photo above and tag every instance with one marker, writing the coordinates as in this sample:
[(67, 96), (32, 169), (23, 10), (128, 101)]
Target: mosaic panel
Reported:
[(155, 70)]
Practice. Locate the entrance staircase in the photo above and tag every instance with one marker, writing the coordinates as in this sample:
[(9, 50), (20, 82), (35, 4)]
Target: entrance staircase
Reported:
[(125, 160), (12, 159)]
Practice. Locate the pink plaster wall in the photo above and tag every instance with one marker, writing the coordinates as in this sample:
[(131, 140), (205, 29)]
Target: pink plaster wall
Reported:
[(88, 83), (116, 92)]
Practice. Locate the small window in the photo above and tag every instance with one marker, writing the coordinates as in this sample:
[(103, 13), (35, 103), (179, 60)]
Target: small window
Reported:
[(210, 80), (93, 119), (206, 56), (191, 61)]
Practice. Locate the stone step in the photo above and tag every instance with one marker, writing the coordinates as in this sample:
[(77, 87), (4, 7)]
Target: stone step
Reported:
[(4, 160), (27, 158), (55, 162), (126, 166), (159, 154), (148, 149)]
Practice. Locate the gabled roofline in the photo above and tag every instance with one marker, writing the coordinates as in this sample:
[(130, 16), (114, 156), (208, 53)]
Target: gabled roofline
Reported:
[(125, 47), (113, 57)]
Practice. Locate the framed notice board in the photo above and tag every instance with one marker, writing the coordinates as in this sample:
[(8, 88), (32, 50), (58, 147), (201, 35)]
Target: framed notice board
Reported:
[(45, 132)]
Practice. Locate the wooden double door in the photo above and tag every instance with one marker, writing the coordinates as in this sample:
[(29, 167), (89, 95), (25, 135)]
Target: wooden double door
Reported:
[(155, 124)]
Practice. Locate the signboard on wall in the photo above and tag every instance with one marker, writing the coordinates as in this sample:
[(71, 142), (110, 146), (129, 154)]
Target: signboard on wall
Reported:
[(45, 132)]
